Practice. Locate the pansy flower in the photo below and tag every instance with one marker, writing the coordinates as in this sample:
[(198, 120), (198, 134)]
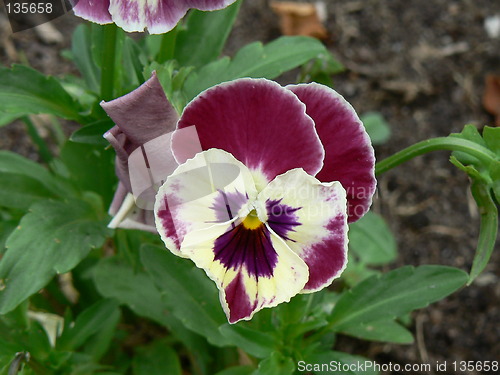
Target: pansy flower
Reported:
[(274, 224), (158, 16), (264, 209)]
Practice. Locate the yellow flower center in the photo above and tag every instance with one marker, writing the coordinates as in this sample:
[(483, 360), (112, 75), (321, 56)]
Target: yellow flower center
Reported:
[(252, 221)]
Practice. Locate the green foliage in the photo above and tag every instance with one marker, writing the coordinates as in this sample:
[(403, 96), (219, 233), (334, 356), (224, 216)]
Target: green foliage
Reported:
[(256, 61), (91, 321), (377, 127), (204, 35), (381, 330), (81, 53), (20, 191), (485, 188), (51, 239), (92, 134), (321, 69), (276, 364), (238, 370), (156, 359), (371, 240), (190, 295), (24, 90), (338, 362), (389, 296)]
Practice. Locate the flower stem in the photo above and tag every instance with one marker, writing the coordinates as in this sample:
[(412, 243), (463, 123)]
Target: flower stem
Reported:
[(43, 149), (167, 48), (435, 144), (108, 61)]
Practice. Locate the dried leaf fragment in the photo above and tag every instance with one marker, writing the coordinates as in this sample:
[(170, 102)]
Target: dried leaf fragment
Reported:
[(300, 19), (491, 97)]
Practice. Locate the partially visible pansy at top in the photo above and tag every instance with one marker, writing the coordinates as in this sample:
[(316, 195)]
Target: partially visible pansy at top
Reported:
[(157, 16), (264, 208)]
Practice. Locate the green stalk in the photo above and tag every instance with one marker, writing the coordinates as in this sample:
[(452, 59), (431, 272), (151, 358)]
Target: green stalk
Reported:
[(167, 47), (43, 149), (435, 144), (108, 61)]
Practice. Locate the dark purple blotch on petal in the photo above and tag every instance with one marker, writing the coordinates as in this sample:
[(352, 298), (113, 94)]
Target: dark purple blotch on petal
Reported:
[(281, 218), (248, 248), (227, 205), (238, 301)]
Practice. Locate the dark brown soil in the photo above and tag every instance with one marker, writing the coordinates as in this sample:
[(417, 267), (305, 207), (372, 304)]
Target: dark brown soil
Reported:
[(422, 65)]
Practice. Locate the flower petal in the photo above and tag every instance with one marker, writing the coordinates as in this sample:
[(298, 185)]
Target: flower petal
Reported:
[(259, 122), (349, 156), (310, 216), (91, 10), (253, 268), (158, 16), (143, 114), (209, 4), (211, 188), (127, 215), (134, 125)]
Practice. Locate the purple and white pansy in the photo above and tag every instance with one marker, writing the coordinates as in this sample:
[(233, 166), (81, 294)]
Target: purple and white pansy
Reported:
[(158, 16), (264, 208)]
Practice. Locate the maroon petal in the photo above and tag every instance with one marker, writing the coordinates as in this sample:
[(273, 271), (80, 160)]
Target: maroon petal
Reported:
[(259, 122), (349, 155), (95, 11), (158, 16), (208, 4)]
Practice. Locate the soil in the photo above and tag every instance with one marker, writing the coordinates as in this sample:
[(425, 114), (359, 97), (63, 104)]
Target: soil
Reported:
[(422, 65)]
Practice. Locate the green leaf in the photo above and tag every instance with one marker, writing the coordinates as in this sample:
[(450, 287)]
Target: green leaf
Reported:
[(52, 238), (82, 56), (104, 39), (136, 289), (488, 228), (94, 319), (133, 62), (237, 370), (91, 168), (97, 345), (6, 228), (190, 294), (114, 279), (7, 118), (19, 191), (394, 294), (25, 91), (172, 78), (321, 69), (92, 134), (492, 139), (156, 359), (377, 127), (469, 133), (276, 364), (384, 330), (14, 163), (256, 343), (204, 35), (371, 240), (333, 362), (255, 60), (357, 271)]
